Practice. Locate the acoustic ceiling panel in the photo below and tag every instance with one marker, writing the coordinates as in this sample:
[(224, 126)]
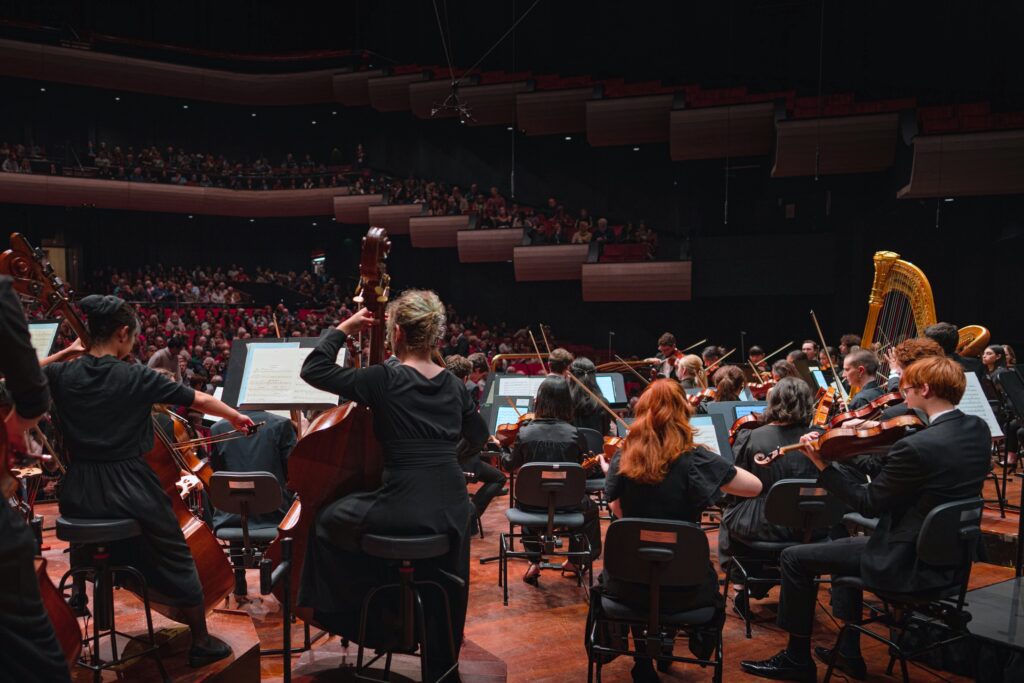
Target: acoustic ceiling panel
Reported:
[(436, 231), (352, 89), (394, 217), (487, 246), (967, 164), (648, 281), (391, 93), (628, 120), (842, 144), (553, 112), (719, 132), (549, 262), (355, 208)]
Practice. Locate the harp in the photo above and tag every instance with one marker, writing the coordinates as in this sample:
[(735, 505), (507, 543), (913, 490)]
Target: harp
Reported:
[(901, 306)]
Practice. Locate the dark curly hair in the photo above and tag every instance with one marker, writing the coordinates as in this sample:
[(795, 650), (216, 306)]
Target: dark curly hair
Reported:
[(790, 402), (105, 315)]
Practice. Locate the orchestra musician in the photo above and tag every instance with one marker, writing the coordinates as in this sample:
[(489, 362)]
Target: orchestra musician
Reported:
[(711, 355), (783, 368), (756, 357), (668, 356), (586, 411), (662, 474), (847, 343), (789, 411), (947, 336), (559, 361), (729, 382), (690, 372), (810, 349), (859, 370), (994, 360), (105, 405), (552, 437), (30, 651), (946, 461), (420, 411)]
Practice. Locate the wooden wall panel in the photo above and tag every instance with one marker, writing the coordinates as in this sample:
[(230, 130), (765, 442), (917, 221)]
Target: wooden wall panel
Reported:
[(649, 281), (394, 217), (719, 132), (628, 120), (553, 112), (102, 70), (549, 262), (355, 208), (436, 231), (967, 164), (351, 89), (17, 188), (848, 144), (488, 246), (391, 93)]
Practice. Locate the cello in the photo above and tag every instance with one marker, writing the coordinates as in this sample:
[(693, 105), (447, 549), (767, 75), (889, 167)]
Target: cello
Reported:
[(339, 452)]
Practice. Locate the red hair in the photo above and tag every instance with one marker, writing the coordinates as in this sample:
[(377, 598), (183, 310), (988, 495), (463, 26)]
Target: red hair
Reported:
[(660, 433)]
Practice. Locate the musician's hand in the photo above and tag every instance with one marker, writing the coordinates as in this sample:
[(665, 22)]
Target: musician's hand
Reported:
[(894, 364), (360, 320), (810, 449), (242, 423), (605, 465)]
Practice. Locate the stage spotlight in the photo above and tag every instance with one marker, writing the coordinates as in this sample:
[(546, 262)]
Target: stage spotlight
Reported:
[(568, 138), (636, 149), (42, 90), (184, 106)]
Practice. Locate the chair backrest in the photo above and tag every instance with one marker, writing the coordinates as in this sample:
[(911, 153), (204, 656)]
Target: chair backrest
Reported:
[(802, 504), (258, 492), (540, 483), (633, 544), (949, 532), (595, 442)]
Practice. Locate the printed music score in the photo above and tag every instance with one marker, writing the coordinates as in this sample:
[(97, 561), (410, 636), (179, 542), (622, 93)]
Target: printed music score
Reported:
[(975, 403), (271, 379)]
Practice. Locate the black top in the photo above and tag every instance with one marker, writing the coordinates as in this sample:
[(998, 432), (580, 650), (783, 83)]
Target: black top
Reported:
[(597, 419), (104, 405), (546, 440), (868, 393), (18, 361), (692, 484)]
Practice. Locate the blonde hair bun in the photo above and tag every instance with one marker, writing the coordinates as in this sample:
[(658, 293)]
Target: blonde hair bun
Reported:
[(421, 315)]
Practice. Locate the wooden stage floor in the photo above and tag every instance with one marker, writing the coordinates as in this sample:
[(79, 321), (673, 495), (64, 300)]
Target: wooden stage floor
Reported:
[(539, 636)]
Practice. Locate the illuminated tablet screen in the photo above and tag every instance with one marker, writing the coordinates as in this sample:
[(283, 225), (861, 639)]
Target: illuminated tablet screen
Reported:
[(704, 432), (819, 377), (519, 386), (743, 411), (607, 387), (506, 415)]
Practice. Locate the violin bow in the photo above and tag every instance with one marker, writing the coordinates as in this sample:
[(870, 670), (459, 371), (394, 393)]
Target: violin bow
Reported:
[(695, 345), (544, 337), (537, 351), (600, 400), (714, 366), (835, 375), (513, 406), (777, 351), (632, 369), (757, 373)]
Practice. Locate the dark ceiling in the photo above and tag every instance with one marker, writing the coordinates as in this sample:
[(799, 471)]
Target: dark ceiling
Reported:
[(938, 51)]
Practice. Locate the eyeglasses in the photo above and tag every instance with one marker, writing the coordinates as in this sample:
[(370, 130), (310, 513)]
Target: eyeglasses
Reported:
[(905, 390)]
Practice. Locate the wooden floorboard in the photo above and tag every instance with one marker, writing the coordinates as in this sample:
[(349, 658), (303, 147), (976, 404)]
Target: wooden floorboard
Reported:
[(539, 636)]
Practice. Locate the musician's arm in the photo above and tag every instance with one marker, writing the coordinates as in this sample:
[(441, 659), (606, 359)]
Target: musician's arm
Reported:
[(321, 370), (898, 480)]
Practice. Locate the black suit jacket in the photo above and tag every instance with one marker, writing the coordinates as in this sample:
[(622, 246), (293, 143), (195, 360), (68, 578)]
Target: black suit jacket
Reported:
[(971, 365), (267, 451), (947, 461), (866, 395)]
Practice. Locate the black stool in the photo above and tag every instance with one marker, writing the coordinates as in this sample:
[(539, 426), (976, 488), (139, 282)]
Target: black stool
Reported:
[(89, 538), (406, 549)]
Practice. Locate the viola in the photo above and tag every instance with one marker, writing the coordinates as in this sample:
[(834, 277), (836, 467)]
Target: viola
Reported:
[(843, 443), (506, 434), (869, 409), (339, 452), (824, 409), (748, 421)]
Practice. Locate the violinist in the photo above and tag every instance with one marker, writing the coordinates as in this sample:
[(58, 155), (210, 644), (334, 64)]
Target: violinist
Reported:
[(420, 411), (668, 356), (690, 371), (848, 343), (105, 405), (729, 382), (586, 412), (825, 358), (994, 360), (552, 437), (756, 357), (783, 368), (859, 370), (711, 355), (789, 411), (946, 461), (810, 349), (30, 651), (559, 361)]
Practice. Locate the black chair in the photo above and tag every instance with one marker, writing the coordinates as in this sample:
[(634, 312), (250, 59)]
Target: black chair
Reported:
[(245, 494), (595, 485), (653, 554), (405, 550), (795, 503), (89, 540), (547, 495), (947, 539)]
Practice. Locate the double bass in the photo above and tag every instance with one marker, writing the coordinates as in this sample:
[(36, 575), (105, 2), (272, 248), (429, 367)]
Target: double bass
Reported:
[(339, 452)]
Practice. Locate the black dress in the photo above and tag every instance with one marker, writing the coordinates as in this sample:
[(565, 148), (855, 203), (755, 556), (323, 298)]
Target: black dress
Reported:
[(692, 484), (29, 650), (104, 406), (418, 421)]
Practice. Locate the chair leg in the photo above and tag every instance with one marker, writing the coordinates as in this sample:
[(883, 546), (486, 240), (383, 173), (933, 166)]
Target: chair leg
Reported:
[(834, 655)]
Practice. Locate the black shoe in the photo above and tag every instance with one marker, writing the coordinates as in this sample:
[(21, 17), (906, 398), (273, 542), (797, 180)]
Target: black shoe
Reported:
[(643, 672), (854, 667), (208, 654), (532, 574), (741, 606), (782, 667)]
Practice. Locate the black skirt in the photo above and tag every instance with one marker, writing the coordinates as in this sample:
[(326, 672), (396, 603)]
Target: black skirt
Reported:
[(130, 489)]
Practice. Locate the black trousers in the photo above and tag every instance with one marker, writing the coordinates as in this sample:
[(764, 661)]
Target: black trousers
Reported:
[(493, 482), (801, 564)]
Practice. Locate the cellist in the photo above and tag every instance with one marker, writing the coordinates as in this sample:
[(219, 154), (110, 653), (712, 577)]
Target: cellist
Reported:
[(419, 413), (104, 405), (30, 650)]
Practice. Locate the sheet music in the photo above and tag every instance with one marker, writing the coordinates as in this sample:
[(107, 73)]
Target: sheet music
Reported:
[(519, 386), (272, 379), (41, 336), (975, 403), (218, 392), (704, 435)]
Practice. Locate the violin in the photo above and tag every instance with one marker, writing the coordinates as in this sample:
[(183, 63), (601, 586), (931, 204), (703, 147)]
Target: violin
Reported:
[(339, 452), (842, 443), (695, 399), (824, 408), (866, 411), (506, 434), (748, 421), (611, 445), (759, 390)]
